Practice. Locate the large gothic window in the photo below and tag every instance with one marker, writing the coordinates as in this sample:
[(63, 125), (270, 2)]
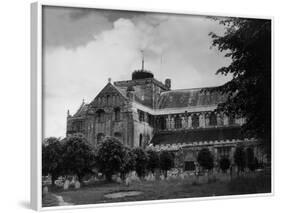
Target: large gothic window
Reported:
[(117, 114), (178, 122), (195, 121), (100, 115), (213, 119)]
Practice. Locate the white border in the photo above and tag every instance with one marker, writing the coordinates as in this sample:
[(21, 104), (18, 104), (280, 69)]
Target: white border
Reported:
[(36, 105)]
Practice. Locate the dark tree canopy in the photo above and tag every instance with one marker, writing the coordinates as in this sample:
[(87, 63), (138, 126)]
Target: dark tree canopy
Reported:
[(78, 156), (141, 161), (224, 164), (240, 158), (129, 162), (153, 160), (52, 162), (248, 43), (205, 159), (166, 161), (110, 157)]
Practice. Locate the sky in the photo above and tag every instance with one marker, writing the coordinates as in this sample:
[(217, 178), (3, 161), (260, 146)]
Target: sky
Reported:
[(82, 48)]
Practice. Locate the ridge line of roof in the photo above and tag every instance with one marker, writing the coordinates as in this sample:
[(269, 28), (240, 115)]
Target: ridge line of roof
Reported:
[(195, 88)]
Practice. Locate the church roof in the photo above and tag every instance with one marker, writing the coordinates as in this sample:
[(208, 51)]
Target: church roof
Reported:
[(196, 135), (82, 110), (189, 98)]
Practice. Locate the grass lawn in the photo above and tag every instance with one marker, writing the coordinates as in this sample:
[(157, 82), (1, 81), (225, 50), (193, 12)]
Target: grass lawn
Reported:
[(171, 189)]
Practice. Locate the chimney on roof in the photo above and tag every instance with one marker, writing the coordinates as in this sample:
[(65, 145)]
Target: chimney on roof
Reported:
[(168, 83)]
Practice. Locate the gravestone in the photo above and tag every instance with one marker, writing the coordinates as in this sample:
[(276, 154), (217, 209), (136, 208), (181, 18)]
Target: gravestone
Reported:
[(45, 190), (66, 184), (77, 185)]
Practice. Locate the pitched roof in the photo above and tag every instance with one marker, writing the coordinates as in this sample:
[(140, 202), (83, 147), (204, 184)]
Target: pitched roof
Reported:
[(189, 98), (196, 135), (82, 110)]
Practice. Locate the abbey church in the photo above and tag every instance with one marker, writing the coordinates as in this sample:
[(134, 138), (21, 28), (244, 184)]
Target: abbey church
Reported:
[(144, 112)]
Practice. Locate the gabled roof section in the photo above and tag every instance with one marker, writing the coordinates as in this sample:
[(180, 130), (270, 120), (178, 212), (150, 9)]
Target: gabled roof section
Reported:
[(82, 110), (110, 89), (189, 98)]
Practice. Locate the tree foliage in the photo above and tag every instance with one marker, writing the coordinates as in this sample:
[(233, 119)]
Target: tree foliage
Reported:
[(205, 159), (129, 163), (248, 43), (166, 161), (224, 164), (78, 156), (110, 157), (240, 158), (52, 162), (251, 160), (153, 161), (141, 161)]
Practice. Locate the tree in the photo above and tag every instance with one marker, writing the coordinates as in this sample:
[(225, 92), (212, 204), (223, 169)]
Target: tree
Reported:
[(205, 159), (251, 161), (153, 161), (166, 161), (78, 156), (224, 164), (248, 43), (110, 157), (129, 163), (240, 159), (52, 162), (141, 161)]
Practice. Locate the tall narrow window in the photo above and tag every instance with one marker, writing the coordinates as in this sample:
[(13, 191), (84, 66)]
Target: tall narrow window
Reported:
[(141, 115), (162, 122), (178, 122), (117, 114), (140, 140), (213, 119), (100, 115), (195, 121)]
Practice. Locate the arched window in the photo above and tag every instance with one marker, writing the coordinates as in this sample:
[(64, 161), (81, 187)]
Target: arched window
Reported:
[(140, 140), (100, 115), (195, 121), (117, 114), (213, 119), (162, 122), (231, 119), (178, 122), (100, 137)]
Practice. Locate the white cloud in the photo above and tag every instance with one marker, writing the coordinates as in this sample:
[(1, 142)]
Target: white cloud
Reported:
[(181, 41)]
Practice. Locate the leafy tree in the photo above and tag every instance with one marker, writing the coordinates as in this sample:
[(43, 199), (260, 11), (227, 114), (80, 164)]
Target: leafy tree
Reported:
[(153, 161), (129, 163), (78, 156), (205, 159), (166, 161), (240, 158), (110, 157), (224, 164), (52, 162), (251, 161), (248, 43), (141, 161)]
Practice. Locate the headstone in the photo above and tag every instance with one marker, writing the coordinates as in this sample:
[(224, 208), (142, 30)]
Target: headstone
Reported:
[(77, 185), (66, 184), (128, 181), (118, 180)]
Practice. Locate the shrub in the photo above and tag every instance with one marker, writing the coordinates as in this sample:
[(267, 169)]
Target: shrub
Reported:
[(52, 163), (78, 156), (141, 161), (166, 161), (153, 161), (205, 159), (240, 158), (224, 164), (129, 163), (110, 157)]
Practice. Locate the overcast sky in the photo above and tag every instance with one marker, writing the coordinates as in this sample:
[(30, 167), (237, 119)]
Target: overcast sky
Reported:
[(82, 48)]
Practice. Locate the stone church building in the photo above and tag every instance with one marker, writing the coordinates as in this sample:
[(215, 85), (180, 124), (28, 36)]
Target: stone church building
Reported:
[(144, 112)]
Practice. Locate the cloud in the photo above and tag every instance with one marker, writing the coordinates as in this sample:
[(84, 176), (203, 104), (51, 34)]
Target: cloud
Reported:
[(176, 46)]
